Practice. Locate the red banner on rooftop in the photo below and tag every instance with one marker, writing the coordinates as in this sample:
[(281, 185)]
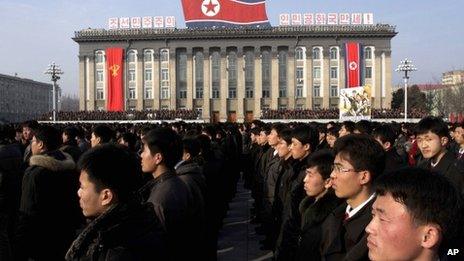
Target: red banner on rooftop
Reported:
[(114, 65)]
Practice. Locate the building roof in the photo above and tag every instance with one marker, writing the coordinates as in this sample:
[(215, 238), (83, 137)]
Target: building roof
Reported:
[(24, 80), (93, 35)]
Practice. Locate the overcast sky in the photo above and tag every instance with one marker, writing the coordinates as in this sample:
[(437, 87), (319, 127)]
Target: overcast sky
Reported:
[(33, 33)]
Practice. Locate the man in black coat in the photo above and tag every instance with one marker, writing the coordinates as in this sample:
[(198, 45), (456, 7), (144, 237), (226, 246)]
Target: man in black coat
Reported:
[(359, 160), (10, 187), (386, 137), (121, 228), (432, 139), (49, 212), (70, 143), (318, 204), (171, 198)]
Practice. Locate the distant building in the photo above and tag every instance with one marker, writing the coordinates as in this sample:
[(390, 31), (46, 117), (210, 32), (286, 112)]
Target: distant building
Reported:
[(453, 77), (23, 99), (232, 74)]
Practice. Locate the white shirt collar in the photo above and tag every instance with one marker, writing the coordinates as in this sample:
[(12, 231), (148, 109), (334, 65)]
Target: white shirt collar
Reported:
[(178, 164), (352, 211)]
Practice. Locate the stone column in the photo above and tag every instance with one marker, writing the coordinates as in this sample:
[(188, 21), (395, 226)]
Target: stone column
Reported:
[(206, 86), (93, 83), (172, 79), (291, 78), (240, 85), (83, 82), (140, 81), (388, 80), (224, 86), (309, 78), (258, 84), (377, 78), (325, 74), (156, 81), (190, 79), (274, 78)]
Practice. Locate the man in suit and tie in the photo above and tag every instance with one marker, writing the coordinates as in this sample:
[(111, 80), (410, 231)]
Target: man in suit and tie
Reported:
[(358, 162)]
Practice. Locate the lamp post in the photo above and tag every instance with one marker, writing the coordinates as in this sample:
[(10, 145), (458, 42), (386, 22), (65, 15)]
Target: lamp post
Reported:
[(54, 70), (406, 66)]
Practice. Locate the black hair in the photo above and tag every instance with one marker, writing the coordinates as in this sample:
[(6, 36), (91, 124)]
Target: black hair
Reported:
[(306, 134), (363, 152), (266, 128), (71, 132), (333, 131), (166, 142), (349, 126), (323, 160), (286, 135), (278, 127), (363, 126), (429, 198), (7, 134), (131, 140), (255, 130), (49, 135), (385, 133), (104, 132), (30, 124), (192, 146), (433, 124), (112, 166)]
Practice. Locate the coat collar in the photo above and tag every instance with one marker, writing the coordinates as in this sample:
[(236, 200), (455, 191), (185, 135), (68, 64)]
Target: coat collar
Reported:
[(54, 161)]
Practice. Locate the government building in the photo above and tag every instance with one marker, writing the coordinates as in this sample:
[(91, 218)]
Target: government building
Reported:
[(23, 99), (234, 74)]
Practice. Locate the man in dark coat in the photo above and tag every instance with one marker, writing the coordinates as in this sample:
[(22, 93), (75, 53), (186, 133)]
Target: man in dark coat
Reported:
[(386, 137), (304, 141), (70, 143), (171, 198), (10, 187), (121, 228), (318, 204), (49, 212), (359, 160), (432, 139)]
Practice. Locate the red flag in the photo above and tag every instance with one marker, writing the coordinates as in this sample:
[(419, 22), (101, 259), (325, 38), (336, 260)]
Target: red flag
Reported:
[(115, 99), (353, 64), (228, 13)]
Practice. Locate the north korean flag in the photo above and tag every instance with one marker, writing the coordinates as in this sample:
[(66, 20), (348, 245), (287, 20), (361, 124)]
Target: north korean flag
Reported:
[(353, 64), (225, 13)]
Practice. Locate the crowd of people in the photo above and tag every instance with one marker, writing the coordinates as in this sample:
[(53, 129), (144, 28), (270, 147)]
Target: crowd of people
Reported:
[(334, 114), (123, 115), (335, 191)]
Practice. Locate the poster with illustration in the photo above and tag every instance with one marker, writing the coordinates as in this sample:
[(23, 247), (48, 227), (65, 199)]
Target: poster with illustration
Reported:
[(355, 103)]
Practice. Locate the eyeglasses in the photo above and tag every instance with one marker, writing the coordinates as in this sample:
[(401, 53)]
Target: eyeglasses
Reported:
[(339, 168)]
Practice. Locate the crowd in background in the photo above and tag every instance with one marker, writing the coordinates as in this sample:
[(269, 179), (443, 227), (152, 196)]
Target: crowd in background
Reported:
[(124, 115), (334, 114), (336, 191)]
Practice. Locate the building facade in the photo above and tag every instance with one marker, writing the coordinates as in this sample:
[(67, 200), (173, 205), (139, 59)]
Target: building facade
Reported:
[(453, 77), (233, 74), (23, 99)]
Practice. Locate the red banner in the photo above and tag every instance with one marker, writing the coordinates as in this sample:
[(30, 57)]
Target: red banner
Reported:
[(228, 13), (114, 65), (353, 64)]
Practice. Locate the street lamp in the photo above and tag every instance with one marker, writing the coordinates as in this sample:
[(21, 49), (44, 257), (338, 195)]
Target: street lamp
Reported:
[(54, 70), (406, 66)]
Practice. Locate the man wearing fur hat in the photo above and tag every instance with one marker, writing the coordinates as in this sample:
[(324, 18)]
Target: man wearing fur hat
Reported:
[(49, 209)]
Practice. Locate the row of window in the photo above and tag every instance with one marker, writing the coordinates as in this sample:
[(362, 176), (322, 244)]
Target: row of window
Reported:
[(181, 77)]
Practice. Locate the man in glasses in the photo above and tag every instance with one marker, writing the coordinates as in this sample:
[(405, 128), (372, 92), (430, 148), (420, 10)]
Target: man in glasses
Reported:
[(359, 159)]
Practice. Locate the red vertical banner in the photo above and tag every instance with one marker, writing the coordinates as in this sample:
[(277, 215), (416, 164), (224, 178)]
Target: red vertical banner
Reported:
[(115, 70), (353, 64)]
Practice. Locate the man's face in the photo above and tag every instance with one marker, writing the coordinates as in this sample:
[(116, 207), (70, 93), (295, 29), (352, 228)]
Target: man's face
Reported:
[(346, 181), (331, 140), (94, 140), (343, 131), (392, 234), (321, 136), (299, 151), (36, 146), (273, 138), (314, 184), (64, 137), (148, 161), (262, 138), (90, 200), (385, 146), (27, 133), (459, 135), (283, 149), (253, 138), (430, 144)]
